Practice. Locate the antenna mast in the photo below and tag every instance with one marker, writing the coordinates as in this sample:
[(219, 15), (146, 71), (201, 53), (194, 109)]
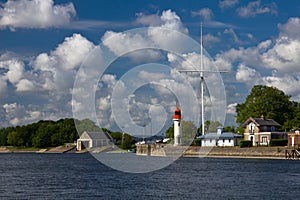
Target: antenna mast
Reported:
[(202, 80)]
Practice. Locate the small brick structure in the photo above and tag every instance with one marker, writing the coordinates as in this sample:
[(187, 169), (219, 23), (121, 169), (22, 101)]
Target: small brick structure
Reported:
[(294, 138)]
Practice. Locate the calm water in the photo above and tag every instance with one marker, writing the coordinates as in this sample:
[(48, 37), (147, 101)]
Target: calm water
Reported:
[(81, 176)]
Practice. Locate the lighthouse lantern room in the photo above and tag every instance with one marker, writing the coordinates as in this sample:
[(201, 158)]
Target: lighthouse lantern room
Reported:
[(177, 128)]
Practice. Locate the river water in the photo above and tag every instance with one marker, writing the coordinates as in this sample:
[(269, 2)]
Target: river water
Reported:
[(81, 176)]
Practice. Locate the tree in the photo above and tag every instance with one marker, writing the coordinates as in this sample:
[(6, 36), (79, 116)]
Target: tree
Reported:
[(210, 127), (268, 101), (188, 131), (170, 132), (14, 139), (125, 143)]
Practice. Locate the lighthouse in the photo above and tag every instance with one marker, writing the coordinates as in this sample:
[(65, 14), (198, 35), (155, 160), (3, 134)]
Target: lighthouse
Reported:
[(177, 129)]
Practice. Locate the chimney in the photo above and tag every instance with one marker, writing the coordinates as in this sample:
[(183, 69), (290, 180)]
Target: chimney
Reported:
[(262, 117)]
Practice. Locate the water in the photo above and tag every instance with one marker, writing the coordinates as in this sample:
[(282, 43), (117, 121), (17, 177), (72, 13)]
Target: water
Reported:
[(81, 176)]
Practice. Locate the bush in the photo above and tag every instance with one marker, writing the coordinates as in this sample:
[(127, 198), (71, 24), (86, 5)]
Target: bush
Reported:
[(245, 143), (278, 142), (196, 142)]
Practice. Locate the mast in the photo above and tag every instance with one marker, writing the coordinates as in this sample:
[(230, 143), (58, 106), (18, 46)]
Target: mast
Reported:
[(202, 80)]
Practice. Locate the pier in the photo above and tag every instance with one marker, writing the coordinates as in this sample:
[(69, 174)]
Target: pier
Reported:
[(292, 154)]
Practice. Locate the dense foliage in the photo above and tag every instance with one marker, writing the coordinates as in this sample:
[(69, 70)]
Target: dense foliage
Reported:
[(273, 104), (44, 133), (55, 133), (278, 142), (123, 141), (245, 143)]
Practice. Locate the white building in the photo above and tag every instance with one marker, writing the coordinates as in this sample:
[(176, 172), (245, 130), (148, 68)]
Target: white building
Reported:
[(220, 138)]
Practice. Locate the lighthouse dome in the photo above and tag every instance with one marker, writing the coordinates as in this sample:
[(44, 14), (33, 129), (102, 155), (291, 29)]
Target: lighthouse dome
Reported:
[(177, 114)]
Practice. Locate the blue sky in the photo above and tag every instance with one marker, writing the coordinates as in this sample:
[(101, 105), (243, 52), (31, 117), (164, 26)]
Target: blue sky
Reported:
[(43, 44)]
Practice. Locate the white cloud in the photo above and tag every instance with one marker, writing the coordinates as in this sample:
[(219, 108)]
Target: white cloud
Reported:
[(16, 70), (231, 32), (228, 3), (168, 19), (72, 51), (35, 14), (291, 28), (25, 85), (247, 75), (205, 13), (44, 62), (121, 43), (287, 83), (148, 20), (283, 56), (158, 37), (149, 76), (255, 8), (209, 38), (231, 109)]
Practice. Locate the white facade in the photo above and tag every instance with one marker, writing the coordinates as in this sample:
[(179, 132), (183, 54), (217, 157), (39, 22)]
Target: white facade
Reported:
[(218, 142), (220, 139)]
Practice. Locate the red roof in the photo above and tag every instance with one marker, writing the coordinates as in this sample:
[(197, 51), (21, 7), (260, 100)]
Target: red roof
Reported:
[(177, 114)]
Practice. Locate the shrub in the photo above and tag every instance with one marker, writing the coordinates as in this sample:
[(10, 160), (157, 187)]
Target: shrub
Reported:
[(245, 143), (196, 142), (278, 142)]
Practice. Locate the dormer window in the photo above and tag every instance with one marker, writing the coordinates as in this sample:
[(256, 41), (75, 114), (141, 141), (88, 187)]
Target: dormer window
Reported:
[(273, 128), (251, 127)]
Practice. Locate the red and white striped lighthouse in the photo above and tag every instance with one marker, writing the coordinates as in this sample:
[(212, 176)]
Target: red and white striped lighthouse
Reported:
[(177, 129)]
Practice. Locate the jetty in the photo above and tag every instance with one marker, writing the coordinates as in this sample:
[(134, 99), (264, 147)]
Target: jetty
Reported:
[(292, 154)]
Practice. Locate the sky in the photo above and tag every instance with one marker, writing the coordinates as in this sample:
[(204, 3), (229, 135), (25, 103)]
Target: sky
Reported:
[(46, 46)]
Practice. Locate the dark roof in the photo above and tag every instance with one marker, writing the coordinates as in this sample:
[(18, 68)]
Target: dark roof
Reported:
[(99, 135), (224, 135), (261, 122)]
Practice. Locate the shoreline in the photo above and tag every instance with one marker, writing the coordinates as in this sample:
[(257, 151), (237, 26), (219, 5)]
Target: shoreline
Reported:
[(191, 152)]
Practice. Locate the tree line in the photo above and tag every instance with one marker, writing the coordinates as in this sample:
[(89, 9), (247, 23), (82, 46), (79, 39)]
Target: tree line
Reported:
[(47, 133)]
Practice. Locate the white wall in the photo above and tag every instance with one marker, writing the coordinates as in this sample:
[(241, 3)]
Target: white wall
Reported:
[(211, 143)]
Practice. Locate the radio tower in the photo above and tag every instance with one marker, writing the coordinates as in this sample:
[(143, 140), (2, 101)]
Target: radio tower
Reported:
[(201, 72)]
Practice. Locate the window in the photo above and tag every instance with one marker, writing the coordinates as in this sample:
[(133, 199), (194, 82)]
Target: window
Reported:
[(264, 128), (229, 140), (273, 128), (264, 139)]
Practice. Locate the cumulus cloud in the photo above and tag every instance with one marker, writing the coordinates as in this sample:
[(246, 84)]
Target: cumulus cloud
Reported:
[(283, 56), (157, 37), (277, 60), (228, 3), (57, 67), (291, 28), (15, 70), (72, 51), (67, 56), (35, 14), (168, 19), (231, 108), (25, 85), (247, 75), (205, 13), (255, 8)]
